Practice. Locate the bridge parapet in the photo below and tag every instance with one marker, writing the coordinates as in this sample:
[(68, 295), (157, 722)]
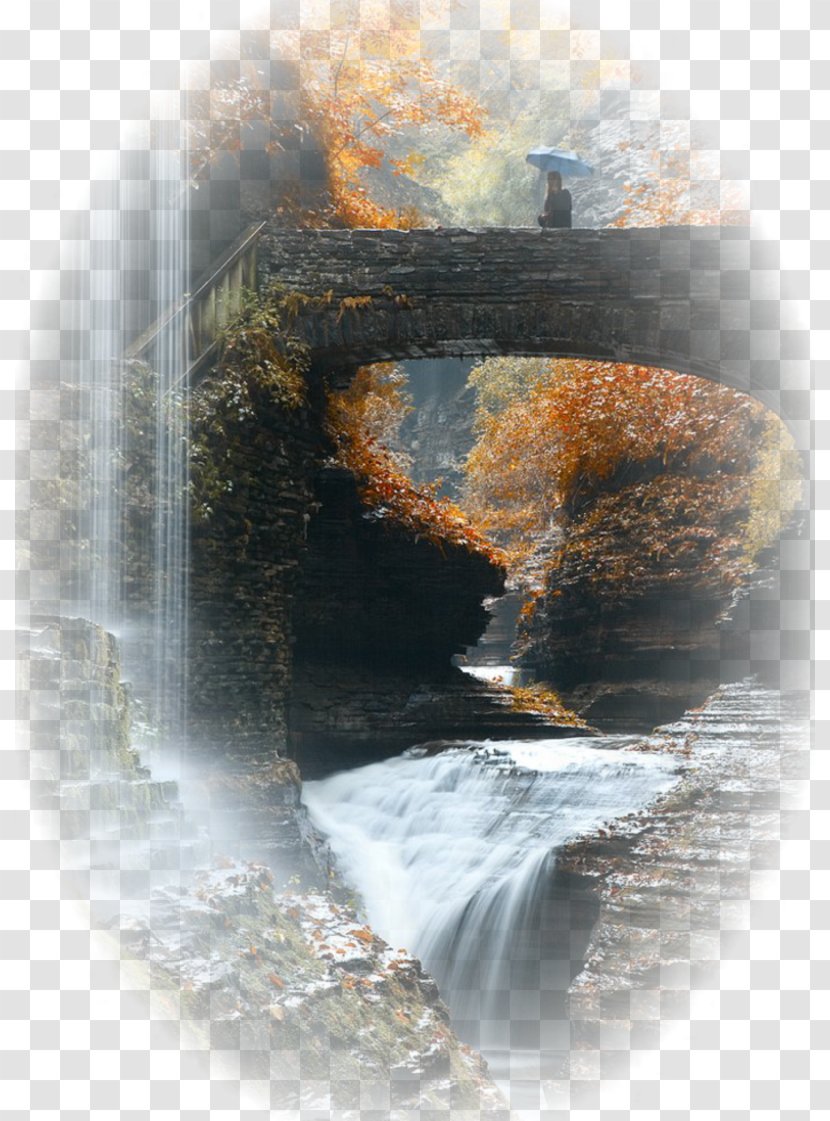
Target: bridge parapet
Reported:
[(518, 261)]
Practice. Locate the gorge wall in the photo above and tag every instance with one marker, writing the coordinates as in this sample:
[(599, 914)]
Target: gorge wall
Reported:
[(277, 977), (629, 664), (320, 627), (246, 557)]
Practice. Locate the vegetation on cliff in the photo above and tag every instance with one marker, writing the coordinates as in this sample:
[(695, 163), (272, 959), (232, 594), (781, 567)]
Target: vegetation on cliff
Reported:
[(635, 504), (543, 700), (260, 361), (359, 419), (646, 470)]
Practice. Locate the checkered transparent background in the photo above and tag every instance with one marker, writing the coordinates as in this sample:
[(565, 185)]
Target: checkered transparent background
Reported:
[(78, 1035)]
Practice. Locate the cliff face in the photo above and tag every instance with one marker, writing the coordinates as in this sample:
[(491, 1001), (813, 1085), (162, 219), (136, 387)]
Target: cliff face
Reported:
[(307, 607), (288, 977), (247, 555), (374, 595), (377, 617), (630, 665), (438, 433), (629, 653)]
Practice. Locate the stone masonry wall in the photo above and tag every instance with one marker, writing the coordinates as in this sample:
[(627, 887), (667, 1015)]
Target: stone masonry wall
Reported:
[(691, 299), (245, 562)]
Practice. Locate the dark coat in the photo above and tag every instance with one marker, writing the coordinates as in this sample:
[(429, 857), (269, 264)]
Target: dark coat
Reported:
[(556, 213)]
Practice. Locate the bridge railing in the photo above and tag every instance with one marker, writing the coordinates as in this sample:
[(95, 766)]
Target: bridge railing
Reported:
[(197, 318)]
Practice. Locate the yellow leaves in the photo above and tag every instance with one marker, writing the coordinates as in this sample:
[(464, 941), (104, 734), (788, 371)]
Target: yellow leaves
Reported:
[(374, 405), (664, 195), (367, 99), (353, 303), (585, 426), (538, 698), (410, 165)]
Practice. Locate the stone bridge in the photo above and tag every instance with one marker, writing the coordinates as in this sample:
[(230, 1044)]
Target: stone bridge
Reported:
[(701, 300)]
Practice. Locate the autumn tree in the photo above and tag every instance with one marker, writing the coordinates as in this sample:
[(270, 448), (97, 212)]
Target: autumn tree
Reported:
[(356, 105), (360, 89), (588, 430), (674, 187), (503, 381), (373, 408)]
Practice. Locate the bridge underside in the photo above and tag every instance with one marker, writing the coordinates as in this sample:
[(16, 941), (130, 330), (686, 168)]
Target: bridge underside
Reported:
[(702, 301)]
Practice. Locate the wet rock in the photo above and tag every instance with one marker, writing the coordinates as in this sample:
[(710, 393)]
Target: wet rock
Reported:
[(228, 957), (665, 878), (631, 662), (344, 716), (308, 973)]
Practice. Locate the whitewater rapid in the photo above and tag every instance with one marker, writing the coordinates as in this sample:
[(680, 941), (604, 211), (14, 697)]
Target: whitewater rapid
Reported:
[(453, 856)]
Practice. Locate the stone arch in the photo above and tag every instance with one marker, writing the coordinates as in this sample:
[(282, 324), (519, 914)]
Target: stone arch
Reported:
[(700, 300)]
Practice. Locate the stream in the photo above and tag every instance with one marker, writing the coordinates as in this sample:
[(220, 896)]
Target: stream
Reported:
[(454, 855), (454, 858)]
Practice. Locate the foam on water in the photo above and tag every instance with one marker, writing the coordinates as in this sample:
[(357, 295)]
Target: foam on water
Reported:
[(450, 854)]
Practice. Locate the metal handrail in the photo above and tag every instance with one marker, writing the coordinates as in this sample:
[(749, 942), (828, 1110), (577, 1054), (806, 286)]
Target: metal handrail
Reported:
[(213, 302)]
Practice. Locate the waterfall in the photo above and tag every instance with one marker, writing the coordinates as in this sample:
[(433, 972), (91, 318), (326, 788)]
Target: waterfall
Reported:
[(454, 857), (171, 508), (139, 270)]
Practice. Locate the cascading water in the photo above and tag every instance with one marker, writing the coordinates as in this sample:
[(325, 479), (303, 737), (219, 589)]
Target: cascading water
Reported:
[(141, 231), (454, 857), (171, 508)]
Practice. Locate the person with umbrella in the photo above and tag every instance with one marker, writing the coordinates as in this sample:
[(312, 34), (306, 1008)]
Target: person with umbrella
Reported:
[(557, 207), (556, 210)]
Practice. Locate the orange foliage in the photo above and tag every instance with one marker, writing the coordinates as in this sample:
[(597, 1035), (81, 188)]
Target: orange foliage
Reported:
[(357, 419), (543, 700), (357, 87), (596, 424), (356, 104), (374, 405)]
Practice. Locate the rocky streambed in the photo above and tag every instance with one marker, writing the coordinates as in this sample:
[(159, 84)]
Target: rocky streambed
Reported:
[(679, 884), (323, 1012), (564, 928), (227, 905)]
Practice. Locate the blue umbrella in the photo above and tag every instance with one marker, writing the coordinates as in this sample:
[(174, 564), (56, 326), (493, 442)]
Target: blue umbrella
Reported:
[(558, 159)]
